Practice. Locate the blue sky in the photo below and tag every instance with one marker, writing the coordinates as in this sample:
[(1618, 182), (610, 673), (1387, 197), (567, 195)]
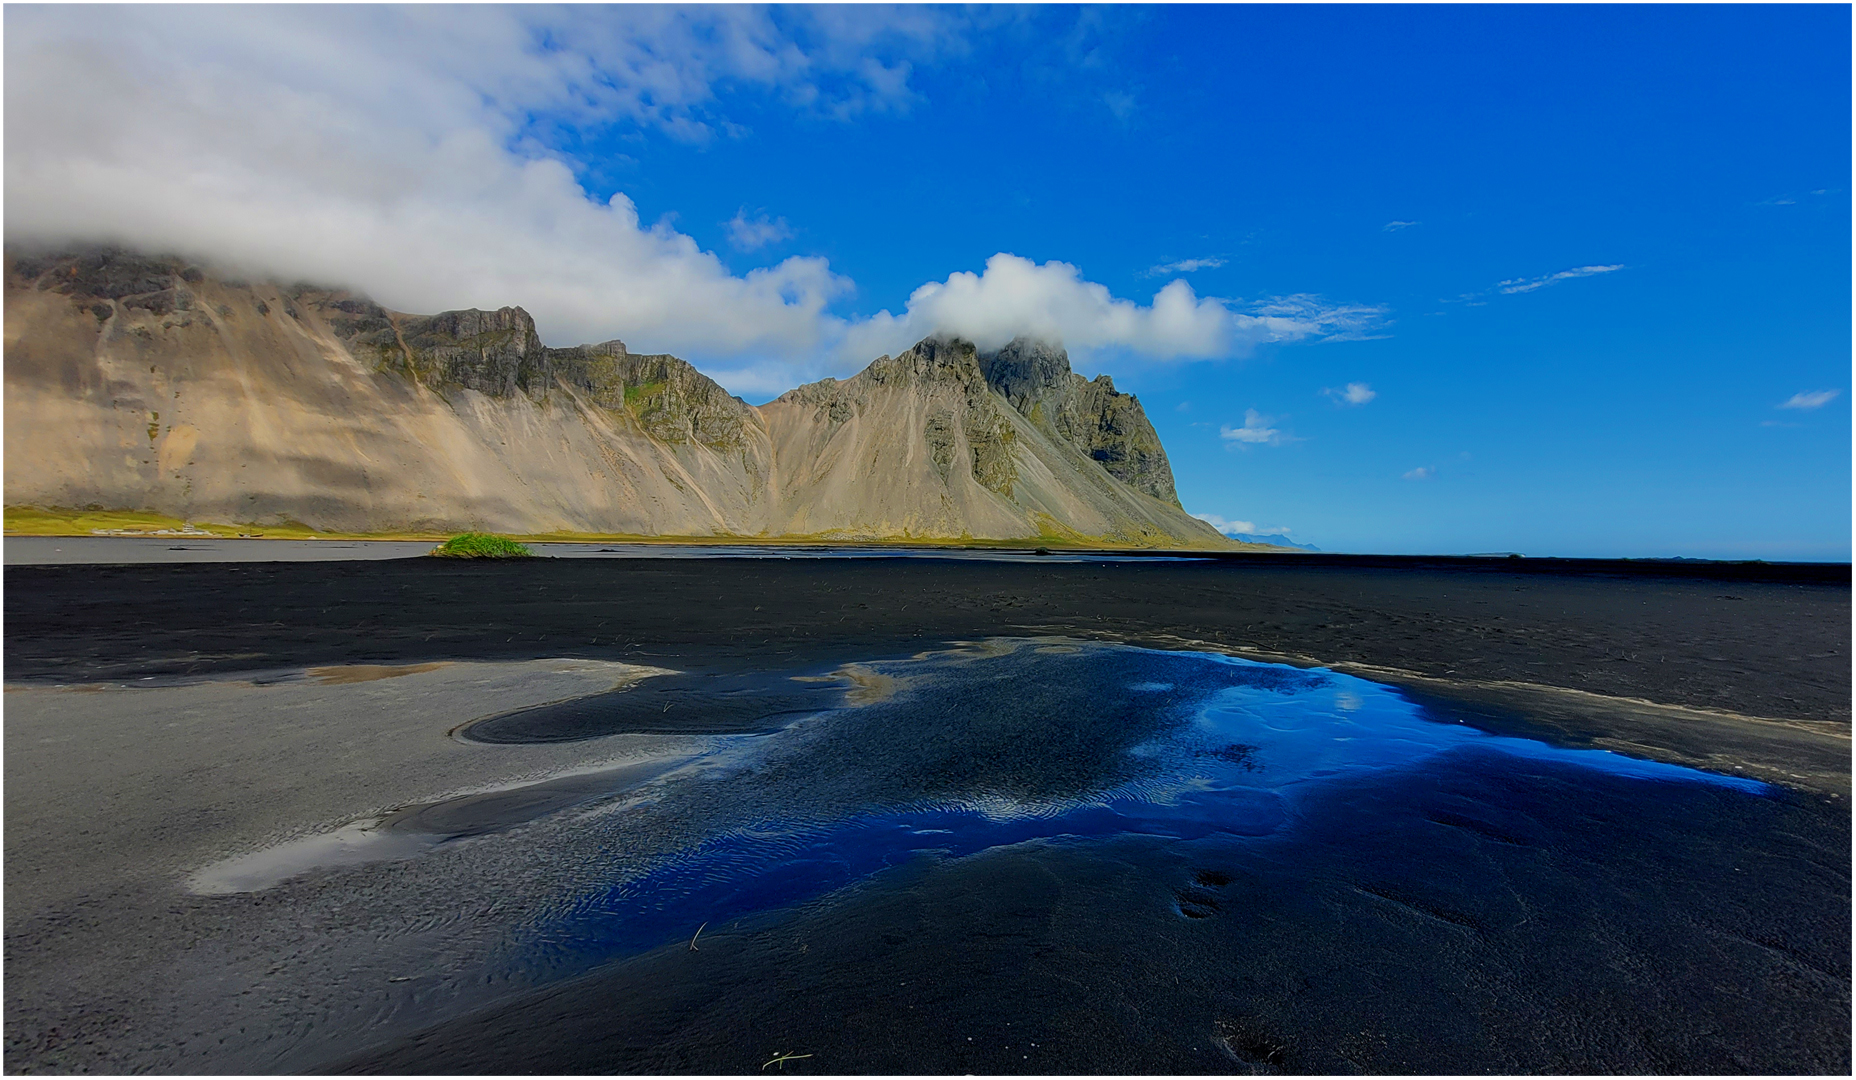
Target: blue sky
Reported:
[(1573, 260)]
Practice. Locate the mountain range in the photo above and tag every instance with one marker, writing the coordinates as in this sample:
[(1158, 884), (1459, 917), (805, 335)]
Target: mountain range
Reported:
[(1273, 540), (154, 384)]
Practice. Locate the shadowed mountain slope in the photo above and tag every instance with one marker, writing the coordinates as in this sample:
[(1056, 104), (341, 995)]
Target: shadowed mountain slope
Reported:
[(146, 383), (1103, 425)]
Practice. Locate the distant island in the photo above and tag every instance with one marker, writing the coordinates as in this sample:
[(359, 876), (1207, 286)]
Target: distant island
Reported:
[(148, 385)]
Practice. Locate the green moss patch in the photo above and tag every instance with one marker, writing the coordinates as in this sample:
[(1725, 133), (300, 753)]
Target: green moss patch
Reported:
[(639, 393)]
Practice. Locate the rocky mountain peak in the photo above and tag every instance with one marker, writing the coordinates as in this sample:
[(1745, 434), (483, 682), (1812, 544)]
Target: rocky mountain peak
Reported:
[(1100, 422), (1025, 370), (671, 400), (491, 352), (933, 359), (499, 354), (103, 272), (506, 325), (98, 279)]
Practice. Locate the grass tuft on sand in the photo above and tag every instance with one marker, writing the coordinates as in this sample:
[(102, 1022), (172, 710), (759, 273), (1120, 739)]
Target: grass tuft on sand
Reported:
[(476, 545)]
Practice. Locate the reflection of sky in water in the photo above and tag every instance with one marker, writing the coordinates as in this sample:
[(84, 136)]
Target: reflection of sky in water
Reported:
[(1167, 744), (1350, 725)]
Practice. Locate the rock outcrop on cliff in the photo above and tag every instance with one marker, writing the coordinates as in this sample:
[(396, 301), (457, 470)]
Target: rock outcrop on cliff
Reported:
[(144, 383), (1104, 425)]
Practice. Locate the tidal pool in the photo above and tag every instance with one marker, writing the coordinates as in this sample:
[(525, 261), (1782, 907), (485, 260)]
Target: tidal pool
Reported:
[(998, 743)]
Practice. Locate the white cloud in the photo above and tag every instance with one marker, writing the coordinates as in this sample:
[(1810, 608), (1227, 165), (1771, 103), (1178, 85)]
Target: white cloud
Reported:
[(403, 151), (388, 148), (1186, 266), (1524, 285), (1302, 315), (1789, 199), (752, 234), (1257, 430), (1422, 472), (1225, 525), (1014, 296), (1815, 399), (1394, 226), (1354, 393), (1245, 528), (1121, 103)]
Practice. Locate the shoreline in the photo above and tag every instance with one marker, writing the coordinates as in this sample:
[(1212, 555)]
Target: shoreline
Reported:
[(24, 521), (33, 523), (147, 549)]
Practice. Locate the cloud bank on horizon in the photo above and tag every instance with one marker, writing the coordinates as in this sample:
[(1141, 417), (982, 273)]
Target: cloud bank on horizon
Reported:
[(1241, 528), (402, 151)]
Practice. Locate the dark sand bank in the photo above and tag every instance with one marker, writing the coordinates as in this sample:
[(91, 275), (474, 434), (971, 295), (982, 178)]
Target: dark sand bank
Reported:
[(1025, 855), (1762, 640)]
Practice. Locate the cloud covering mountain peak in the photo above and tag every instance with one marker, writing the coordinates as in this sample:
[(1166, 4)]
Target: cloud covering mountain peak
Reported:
[(404, 151)]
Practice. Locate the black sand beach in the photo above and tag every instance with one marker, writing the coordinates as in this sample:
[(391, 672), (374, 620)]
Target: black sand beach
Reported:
[(1761, 639), (1476, 913)]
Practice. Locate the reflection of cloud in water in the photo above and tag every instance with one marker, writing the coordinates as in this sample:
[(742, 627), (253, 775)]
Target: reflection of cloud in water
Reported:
[(416, 829), (1008, 741), (351, 845)]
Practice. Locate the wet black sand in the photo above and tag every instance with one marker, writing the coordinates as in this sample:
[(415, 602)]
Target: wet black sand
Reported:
[(1764, 640), (1480, 637), (1166, 957), (1583, 929)]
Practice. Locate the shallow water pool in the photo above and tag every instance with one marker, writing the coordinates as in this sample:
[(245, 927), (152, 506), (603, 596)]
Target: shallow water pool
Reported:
[(1008, 741)]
